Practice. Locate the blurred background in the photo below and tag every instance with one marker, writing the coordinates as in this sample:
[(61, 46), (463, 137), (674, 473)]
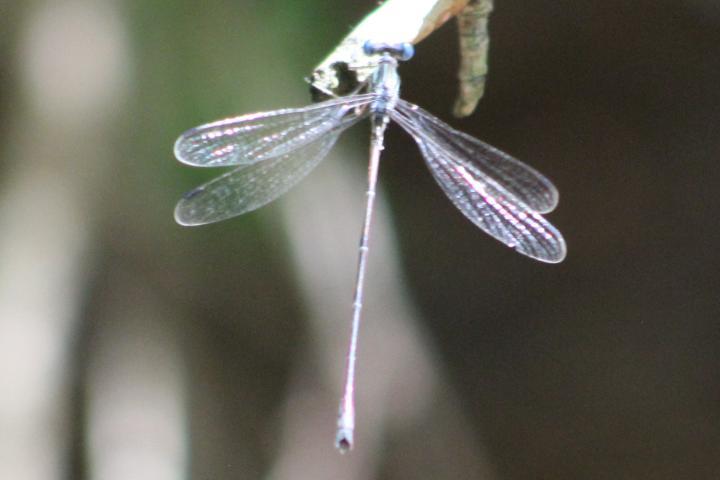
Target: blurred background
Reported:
[(132, 348)]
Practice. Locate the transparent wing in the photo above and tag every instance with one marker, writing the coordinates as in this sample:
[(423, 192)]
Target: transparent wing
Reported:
[(251, 138), (249, 187), (484, 161), (500, 215)]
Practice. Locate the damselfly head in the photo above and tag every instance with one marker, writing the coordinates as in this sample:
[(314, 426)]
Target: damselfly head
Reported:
[(400, 51)]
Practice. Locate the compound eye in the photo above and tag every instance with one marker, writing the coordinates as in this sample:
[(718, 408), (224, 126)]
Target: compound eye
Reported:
[(369, 48), (406, 52)]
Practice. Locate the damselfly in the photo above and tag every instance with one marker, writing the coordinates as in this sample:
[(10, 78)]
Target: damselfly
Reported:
[(274, 150)]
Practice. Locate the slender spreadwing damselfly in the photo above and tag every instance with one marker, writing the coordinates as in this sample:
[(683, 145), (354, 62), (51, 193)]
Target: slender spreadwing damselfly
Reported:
[(273, 151)]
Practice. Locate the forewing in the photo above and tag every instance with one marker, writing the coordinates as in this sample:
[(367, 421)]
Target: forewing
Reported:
[(483, 161), (501, 216), (248, 139), (249, 187)]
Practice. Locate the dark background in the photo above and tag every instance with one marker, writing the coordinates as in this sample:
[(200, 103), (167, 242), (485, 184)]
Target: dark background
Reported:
[(604, 366)]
